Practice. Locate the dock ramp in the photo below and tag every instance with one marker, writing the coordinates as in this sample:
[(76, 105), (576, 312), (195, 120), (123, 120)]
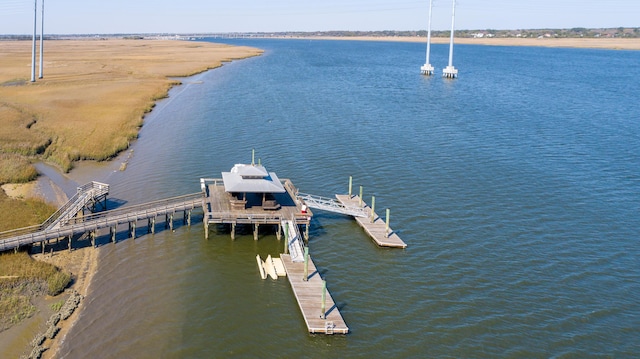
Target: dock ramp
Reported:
[(294, 240), (331, 205)]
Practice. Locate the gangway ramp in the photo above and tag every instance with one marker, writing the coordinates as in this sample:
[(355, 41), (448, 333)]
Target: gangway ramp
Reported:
[(331, 205), (294, 240)]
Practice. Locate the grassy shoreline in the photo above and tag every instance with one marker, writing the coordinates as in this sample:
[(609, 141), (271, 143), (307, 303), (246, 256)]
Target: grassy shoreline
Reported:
[(92, 100)]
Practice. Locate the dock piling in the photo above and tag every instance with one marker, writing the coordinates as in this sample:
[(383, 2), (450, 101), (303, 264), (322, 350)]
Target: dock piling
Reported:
[(151, 225), (306, 264), (323, 310), (386, 230), (373, 208), (132, 230), (286, 239), (360, 199), (350, 184)]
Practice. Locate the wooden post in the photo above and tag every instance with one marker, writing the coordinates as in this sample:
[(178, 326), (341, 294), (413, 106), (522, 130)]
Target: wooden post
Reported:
[(170, 218), (233, 231), (70, 239), (278, 232), (206, 229), (189, 218), (132, 230), (306, 232), (387, 226), (306, 264), (373, 208), (286, 239), (112, 232), (255, 231), (92, 234), (360, 200), (323, 309), (350, 185), (42, 245), (151, 225)]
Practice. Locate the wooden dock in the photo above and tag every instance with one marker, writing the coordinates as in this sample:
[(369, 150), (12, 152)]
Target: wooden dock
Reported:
[(219, 208), (309, 296), (377, 229)]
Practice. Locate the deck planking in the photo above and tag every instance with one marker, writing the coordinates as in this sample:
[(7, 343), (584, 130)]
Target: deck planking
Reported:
[(218, 208), (377, 229), (309, 297)]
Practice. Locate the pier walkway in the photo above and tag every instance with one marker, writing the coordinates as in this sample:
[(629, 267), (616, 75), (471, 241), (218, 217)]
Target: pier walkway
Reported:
[(107, 219)]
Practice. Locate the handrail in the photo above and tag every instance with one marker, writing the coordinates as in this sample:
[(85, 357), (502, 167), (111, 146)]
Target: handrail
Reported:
[(84, 189), (99, 188), (100, 220), (193, 199)]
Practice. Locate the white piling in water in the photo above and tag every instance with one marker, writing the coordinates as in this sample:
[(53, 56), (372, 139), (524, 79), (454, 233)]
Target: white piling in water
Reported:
[(451, 72), (427, 69)]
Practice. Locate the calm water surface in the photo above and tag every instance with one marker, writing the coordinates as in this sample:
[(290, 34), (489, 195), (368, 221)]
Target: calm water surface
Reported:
[(516, 188)]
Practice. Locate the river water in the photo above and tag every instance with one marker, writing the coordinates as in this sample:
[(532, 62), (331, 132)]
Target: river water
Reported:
[(515, 186)]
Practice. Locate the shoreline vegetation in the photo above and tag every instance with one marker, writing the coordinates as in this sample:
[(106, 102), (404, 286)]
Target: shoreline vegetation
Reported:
[(90, 105), (586, 43)]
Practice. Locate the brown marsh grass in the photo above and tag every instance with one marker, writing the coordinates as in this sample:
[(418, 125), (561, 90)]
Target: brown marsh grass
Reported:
[(94, 94)]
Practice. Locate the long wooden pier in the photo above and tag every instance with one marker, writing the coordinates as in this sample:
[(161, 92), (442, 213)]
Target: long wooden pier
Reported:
[(309, 293), (106, 219), (373, 224)]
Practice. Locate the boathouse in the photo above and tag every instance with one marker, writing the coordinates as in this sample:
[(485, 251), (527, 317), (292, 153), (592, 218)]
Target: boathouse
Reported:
[(250, 195)]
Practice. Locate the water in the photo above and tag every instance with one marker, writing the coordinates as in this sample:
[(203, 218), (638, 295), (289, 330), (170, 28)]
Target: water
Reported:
[(516, 188)]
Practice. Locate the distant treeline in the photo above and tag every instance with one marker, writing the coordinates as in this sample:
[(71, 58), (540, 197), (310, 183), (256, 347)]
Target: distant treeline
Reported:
[(576, 32)]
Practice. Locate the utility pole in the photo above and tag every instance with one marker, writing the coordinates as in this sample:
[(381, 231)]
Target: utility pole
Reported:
[(450, 71), (33, 50), (41, 40), (427, 69)]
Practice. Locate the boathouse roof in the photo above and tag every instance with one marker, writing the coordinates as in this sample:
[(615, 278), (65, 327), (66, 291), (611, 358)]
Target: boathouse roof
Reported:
[(251, 179)]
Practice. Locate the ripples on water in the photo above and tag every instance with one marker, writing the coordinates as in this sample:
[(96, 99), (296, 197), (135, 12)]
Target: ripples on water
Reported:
[(516, 187)]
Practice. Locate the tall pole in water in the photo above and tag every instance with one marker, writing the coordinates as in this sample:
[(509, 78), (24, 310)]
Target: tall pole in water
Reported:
[(41, 39), (33, 50), (450, 71), (427, 69)]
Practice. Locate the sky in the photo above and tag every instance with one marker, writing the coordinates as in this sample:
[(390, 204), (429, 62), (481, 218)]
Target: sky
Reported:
[(211, 16)]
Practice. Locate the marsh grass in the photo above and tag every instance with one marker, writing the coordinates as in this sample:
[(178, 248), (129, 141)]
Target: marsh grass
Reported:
[(94, 95), (22, 213), (21, 280)]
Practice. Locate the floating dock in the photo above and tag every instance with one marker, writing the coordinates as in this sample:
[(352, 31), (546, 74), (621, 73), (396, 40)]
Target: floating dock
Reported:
[(309, 295), (376, 229)]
